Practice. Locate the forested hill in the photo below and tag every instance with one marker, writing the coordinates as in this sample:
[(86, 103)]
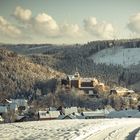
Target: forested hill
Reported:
[(66, 58), (83, 57), (87, 49), (20, 77), (25, 72)]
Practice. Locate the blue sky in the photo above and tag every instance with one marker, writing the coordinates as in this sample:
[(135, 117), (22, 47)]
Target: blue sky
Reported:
[(68, 21)]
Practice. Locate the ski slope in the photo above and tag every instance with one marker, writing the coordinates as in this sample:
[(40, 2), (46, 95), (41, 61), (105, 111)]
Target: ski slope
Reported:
[(118, 56), (95, 129)]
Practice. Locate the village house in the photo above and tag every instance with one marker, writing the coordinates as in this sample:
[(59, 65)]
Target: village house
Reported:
[(70, 113), (13, 109), (48, 115), (94, 114), (20, 103), (126, 113), (121, 91), (71, 110), (3, 109)]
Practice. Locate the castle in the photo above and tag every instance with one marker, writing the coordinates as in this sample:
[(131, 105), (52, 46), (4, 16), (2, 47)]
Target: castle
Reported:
[(76, 81)]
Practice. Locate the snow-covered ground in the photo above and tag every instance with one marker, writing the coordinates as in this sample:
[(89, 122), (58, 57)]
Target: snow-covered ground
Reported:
[(96, 129), (118, 56), (38, 47)]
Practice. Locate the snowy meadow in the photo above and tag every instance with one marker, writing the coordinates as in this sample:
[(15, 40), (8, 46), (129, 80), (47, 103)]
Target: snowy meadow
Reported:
[(95, 129)]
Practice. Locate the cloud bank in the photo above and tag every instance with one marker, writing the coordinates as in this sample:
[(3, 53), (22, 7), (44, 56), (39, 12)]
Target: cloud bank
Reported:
[(6, 28), (134, 24), (44, 26), (101, 29), (22, 14)]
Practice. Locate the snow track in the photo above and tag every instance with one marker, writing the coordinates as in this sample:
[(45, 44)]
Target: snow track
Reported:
[(137, 135), (122, 131), (96, 129)]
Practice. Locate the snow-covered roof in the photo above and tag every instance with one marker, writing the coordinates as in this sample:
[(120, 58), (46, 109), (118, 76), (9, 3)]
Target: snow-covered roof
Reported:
[(108, 110), (123, 113), (94, 113), (48, 114), (137, 115), (82, 79), (90, 92), (13, 106), (3, 109), (70, 110), (20, 102), (101, 112), (43, 114), (86, 79), (52, 109), (122, 89), (54, 114)]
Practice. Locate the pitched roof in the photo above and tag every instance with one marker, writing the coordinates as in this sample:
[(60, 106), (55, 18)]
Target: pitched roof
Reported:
[(48, 114), (94, 113), (70, 110), (123, 113), (70, 116)]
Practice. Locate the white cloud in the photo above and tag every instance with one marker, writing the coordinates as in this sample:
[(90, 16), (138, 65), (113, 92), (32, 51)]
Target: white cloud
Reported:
[(134, 23), (72, 30), (22, 14), (99, 30), (8, 29), (45, 25)]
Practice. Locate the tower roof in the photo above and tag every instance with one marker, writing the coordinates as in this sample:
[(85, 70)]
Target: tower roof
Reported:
[(77, 75)]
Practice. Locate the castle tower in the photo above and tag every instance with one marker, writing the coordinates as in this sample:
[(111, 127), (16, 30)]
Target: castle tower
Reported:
[(77, 75)]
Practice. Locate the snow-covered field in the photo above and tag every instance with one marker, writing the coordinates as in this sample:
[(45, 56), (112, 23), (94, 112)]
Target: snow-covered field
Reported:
[(118, 56), (96, 129)]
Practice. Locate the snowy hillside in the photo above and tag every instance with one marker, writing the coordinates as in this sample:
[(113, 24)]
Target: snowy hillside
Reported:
[(118, 56), (97, 129)]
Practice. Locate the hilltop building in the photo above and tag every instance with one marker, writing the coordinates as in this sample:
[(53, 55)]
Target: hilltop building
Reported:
[(76, 81), (121, 91)]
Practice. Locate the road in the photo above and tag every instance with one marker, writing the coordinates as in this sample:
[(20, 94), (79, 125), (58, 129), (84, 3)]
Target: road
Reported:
[(125, 131)]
